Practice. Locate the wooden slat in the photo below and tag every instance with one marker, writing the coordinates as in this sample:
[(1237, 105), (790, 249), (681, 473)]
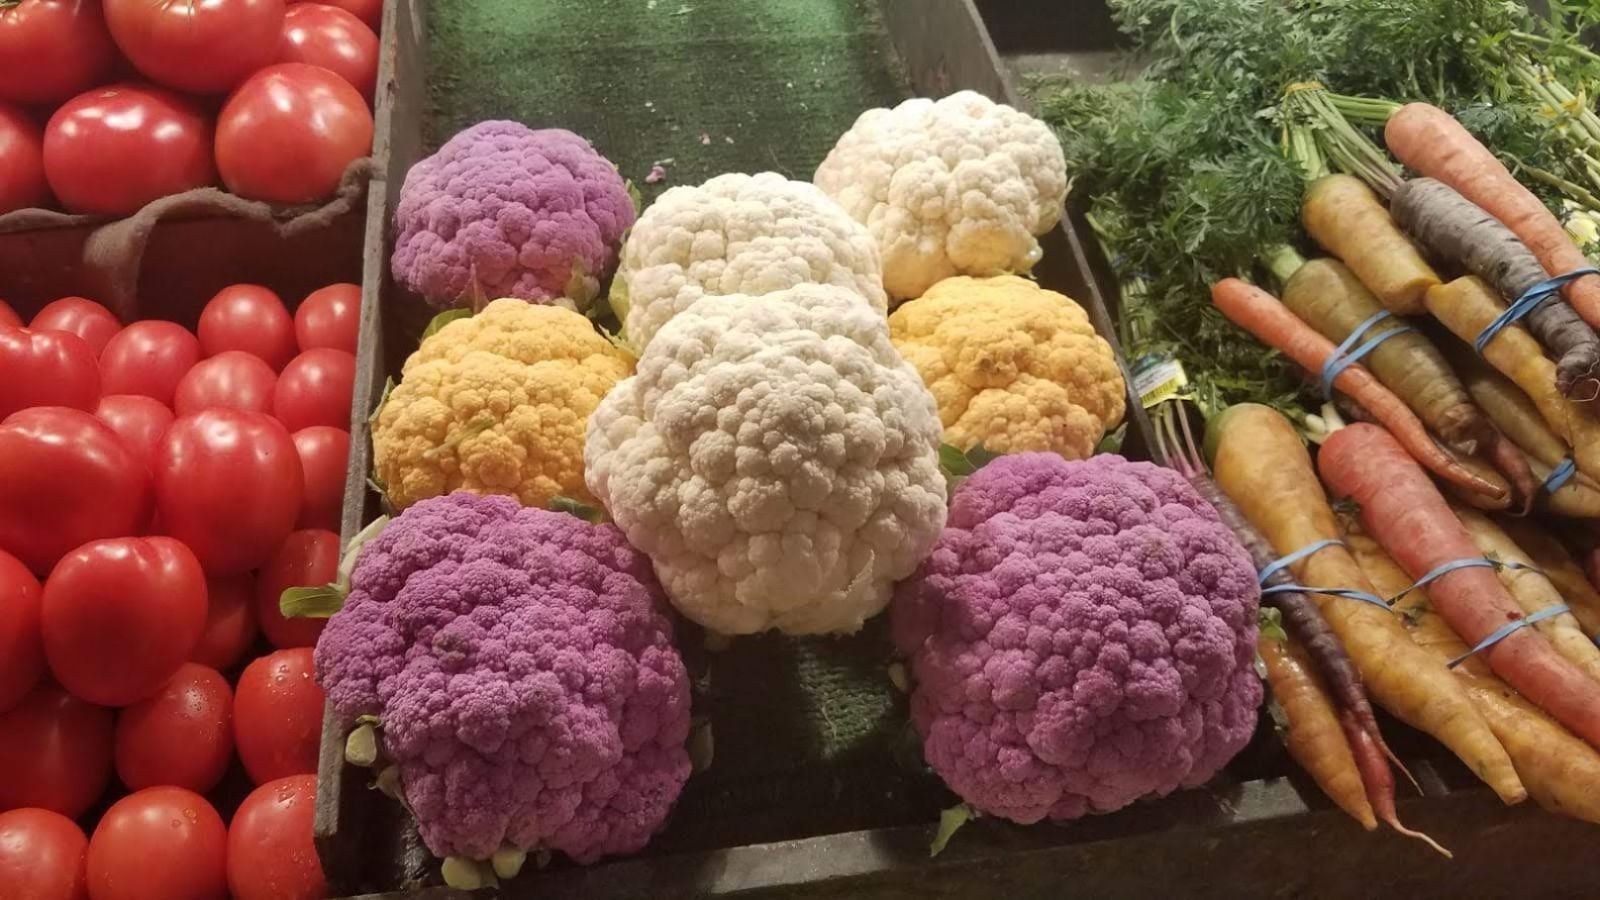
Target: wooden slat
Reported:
[(1260, 842), (342, 798)]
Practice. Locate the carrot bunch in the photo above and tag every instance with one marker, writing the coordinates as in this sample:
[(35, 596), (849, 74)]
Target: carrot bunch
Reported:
[(1261, 464)]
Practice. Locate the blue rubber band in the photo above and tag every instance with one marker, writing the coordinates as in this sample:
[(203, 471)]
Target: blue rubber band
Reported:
[(1476, 562), (1347, 593), (1530, 300), (1343, 357), (1508, 629), (1285, 562), (1560, 475)]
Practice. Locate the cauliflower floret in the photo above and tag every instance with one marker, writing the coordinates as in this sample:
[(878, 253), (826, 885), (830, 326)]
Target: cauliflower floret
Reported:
[(521, 665), (496, 404), (1013, 366), (1083, 636), (738, 234), (955, 187), (777, 460), (502, 210)]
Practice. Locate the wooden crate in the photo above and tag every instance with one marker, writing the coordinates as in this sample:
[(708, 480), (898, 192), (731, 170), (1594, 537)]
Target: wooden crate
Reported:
[(1261, 828)]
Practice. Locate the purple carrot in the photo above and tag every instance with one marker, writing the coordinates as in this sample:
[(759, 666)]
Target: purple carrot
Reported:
[(1301, 617)]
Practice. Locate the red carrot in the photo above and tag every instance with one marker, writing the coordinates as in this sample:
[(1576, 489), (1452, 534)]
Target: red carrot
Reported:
[(1402, 509), (1511, 462), (1261, 314), (1378, 780), (1430, 141)]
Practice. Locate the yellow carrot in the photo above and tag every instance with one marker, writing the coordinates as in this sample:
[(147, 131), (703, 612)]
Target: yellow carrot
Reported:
[(1560, 771), (1326, 295), (1343, 215), (1466, 306), (1313, 735), (1533, 592), (1506, 405), (1261, 464), (1559, 566)]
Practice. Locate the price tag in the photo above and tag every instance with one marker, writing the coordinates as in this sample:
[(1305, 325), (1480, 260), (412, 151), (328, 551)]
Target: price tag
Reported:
[(1156, 379)]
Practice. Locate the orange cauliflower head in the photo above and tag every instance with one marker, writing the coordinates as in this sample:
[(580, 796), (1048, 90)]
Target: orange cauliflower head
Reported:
[(1014, 367), (496, 404)]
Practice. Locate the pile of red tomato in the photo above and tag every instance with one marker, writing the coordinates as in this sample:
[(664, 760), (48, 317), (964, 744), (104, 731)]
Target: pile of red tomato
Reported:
[(106, 105), (159, 489)]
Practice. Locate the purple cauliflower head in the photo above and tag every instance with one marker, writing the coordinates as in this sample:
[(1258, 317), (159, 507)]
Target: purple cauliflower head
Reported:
[(502, 210), (1082, 636), (522, 667)]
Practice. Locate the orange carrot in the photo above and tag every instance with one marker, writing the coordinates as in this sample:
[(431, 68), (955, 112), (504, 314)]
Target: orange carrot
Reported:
[(1430, 141), (1261, 314), (1483, 470), (1314, 735), (1404, 511)]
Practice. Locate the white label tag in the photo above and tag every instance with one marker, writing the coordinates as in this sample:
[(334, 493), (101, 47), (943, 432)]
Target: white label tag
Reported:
[(1156, 379)]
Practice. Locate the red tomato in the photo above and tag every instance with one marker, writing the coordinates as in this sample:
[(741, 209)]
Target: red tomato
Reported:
[(205, 47), (21, 652), (288, 134), (324, 458), (121, 616), (8, 316), (148, 358), (46, 368), (308, 558), (270, 854), (139, 421), (66, 478), (329, 317), (22, 184), (232, 379), (230, 622), (277, 716), (228, 484), (162, 842), (80, 316), (114, 149), (368, 11), (315, 389), (57, 752), (334, 39), (251, 318), (51, 50), (41, 856), (182, 736)]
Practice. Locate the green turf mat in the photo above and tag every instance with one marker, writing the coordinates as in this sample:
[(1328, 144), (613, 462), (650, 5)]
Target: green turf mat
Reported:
[(809, 735), (713, 85)]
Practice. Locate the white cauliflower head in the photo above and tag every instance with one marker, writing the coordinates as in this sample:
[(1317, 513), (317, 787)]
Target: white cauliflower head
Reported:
[(958, 186), (776, 459), (738, 234)]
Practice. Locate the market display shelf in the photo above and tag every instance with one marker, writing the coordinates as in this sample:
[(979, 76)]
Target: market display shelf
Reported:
[(861, 826)]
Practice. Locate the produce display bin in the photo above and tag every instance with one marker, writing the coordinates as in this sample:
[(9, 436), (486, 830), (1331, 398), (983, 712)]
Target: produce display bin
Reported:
[(859, 824)]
